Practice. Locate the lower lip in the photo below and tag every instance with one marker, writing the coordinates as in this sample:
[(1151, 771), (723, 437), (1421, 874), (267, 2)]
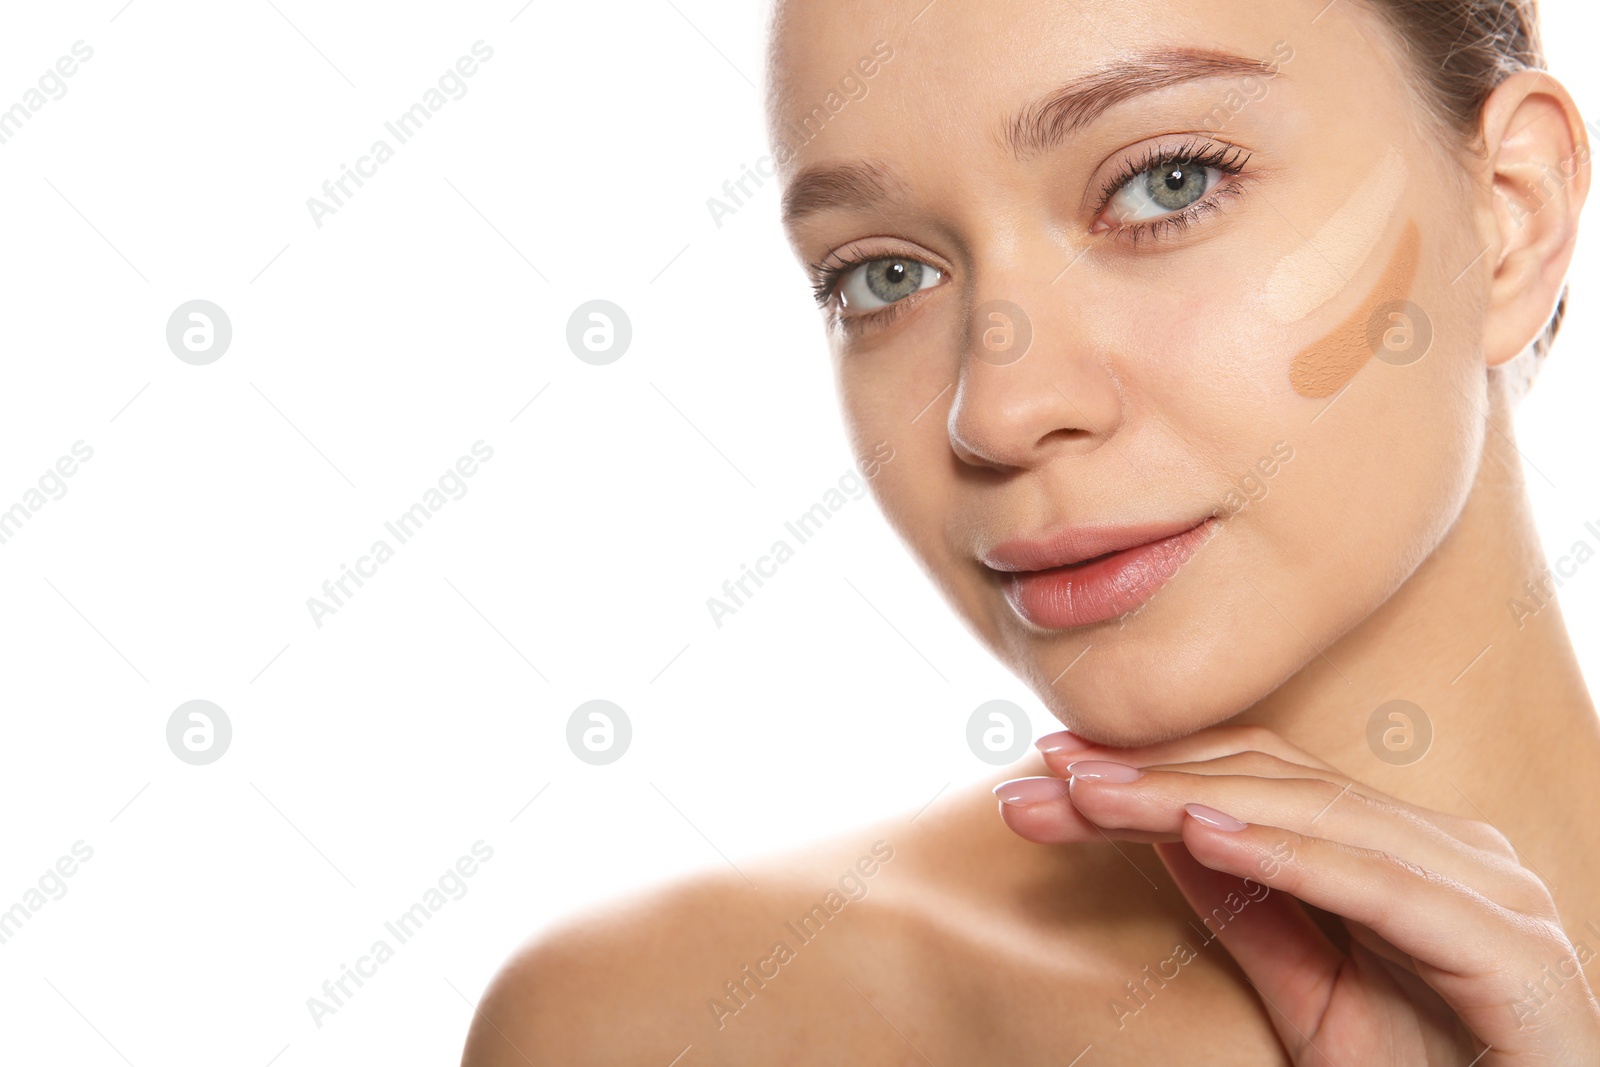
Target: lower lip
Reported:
[(1102, 588)]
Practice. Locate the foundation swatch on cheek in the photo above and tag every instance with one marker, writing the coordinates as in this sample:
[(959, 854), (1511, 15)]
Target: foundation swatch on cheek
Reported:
[(1328, 365), (1320, 269)]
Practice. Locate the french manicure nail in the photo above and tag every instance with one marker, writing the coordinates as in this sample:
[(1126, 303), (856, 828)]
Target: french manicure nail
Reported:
[(1024, 791), (1061, 743), (1099, 770), (1213, 817)]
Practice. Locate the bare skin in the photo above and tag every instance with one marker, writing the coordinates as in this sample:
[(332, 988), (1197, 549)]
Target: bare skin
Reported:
[(976, 945), (1386, 561), (970, 945)]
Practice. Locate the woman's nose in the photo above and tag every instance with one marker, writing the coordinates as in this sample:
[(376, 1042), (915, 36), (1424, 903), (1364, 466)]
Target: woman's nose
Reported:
[(1035, 381)]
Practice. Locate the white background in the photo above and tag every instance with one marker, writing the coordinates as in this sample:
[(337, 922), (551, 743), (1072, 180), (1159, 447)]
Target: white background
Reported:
[(368, 354)]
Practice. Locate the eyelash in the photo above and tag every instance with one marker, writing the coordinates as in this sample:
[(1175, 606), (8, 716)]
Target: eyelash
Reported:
[(829, 275), (826, 287), (1225, 158)]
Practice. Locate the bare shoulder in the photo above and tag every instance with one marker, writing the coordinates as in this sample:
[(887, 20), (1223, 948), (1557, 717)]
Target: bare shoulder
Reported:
[(608, 985), (942, 936), (726, 963)]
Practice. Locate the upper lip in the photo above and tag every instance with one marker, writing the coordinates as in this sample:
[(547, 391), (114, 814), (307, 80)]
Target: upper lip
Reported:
[(1078, 543)]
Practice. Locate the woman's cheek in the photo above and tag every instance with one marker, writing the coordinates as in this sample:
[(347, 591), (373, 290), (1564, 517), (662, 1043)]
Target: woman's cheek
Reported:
[(878, 394), (1205, 376), (1383, 466)]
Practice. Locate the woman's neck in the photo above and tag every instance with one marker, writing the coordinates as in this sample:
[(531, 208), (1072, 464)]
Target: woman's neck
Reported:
[(1484, 655)]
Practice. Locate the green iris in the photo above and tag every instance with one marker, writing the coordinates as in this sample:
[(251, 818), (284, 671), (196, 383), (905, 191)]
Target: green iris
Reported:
[(893, 279), (1177, 185)]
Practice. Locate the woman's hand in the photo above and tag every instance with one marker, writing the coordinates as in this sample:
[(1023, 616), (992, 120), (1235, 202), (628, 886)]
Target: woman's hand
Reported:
[(1446, 927)]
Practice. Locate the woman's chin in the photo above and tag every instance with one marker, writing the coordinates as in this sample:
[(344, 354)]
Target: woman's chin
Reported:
[(1135, 723), (1127, 698)]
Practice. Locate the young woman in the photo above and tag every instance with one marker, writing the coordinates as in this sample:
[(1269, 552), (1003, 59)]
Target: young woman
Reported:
[(1196, 329)]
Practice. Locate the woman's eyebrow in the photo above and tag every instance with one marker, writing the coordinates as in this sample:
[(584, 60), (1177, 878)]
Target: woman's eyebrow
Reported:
[(1058, 116), (1038, 127), (866, 184)]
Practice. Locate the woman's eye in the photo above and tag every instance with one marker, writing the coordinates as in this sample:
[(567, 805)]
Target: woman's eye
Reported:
[(1161, 190), (880, 282)]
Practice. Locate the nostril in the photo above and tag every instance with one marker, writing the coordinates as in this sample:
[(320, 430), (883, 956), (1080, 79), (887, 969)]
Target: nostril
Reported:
[(1068, 433)]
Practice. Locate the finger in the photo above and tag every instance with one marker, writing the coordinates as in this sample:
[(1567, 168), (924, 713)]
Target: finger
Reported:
[(1064, 747), (1039, 810), (1155, 801), (1264, 752), (1268, 934), (1469, 949), (1363, 936), (1476, 833), (1293, 965), (1057, 823)]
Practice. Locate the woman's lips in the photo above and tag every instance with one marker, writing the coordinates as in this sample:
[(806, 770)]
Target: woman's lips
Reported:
[(1093, 589)]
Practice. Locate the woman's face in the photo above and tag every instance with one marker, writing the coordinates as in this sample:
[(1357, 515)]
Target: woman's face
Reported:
[(1081, 332)]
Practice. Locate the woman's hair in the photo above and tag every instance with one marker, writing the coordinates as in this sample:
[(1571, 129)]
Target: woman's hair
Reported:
[(1460, 50)]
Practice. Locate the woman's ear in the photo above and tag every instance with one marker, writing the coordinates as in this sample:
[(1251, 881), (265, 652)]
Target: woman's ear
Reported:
[(1537, 155)]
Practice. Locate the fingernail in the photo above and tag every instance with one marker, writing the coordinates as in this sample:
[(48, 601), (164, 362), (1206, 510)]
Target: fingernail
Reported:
[(1099, 770), (1061, 743), (1213, 817), (1023, 791)]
